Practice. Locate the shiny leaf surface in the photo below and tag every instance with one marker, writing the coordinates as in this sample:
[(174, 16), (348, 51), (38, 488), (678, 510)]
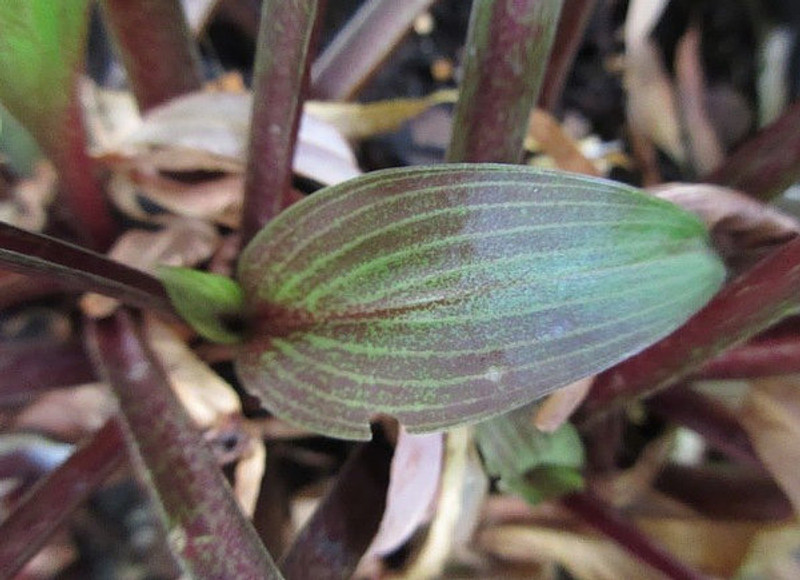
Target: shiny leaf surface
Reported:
[(450, 294)]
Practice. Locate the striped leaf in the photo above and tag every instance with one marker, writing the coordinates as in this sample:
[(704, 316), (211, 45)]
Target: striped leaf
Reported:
[(450, 294)]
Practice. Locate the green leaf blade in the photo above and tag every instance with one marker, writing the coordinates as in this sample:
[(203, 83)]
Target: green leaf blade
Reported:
[(452, 294), (208, 302), (41, 51)]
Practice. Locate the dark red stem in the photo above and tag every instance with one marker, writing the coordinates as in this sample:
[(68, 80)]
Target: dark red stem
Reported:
[(752, 302), (76, 268), (79, 187), (768, 163), (611, 523), (575, 16), (725, 493), (707, 417), (280, 78), (508, 45), (156, 47), (758, 358), (362, 46), (23, 376), (332, 543), (210, 535), (51, 501)]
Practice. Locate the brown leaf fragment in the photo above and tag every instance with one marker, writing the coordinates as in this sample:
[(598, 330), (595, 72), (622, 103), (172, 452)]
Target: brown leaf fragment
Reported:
[(559, 406), (585, 557), (546, 132), (208, 131), (208, 399), (771, 416), (652, 108), (68, 414), (707, 153), (715, 547), (217, 199), (773, 555), (183, 242), (248, 475), (413, 485), (30, 199)]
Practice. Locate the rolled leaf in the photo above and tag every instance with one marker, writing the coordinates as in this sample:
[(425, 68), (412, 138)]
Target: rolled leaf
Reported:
[(450, 294)]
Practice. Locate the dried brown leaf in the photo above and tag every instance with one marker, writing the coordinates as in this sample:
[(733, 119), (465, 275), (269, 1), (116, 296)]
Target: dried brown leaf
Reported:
[(652, 107), (413, 485), (217, 199), (716, 547), (773, 555), (183, 242), (30, 199), (248, 475), (585, 557), (771, 416), (444, 528), (559, 406), (208, 131), (707, 152), (546, 132), (68, 414), (208, 399)]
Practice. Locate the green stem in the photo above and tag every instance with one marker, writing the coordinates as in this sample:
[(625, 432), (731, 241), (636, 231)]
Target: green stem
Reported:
[(281, 75), (508, 45), (156, 47)]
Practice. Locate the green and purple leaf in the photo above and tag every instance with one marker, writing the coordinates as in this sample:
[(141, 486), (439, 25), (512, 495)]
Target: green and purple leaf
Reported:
[(451, 294)]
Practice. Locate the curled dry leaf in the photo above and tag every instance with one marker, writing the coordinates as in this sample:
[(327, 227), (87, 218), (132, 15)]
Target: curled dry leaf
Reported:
[(431, 559), (217, 199), (208, 131), (771, 416), (743, 229), (414, 481), (652, 108), (30, 199), (183, 242)]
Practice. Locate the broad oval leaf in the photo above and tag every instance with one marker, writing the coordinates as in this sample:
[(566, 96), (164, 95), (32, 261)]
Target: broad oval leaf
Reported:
[(449, 294)]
